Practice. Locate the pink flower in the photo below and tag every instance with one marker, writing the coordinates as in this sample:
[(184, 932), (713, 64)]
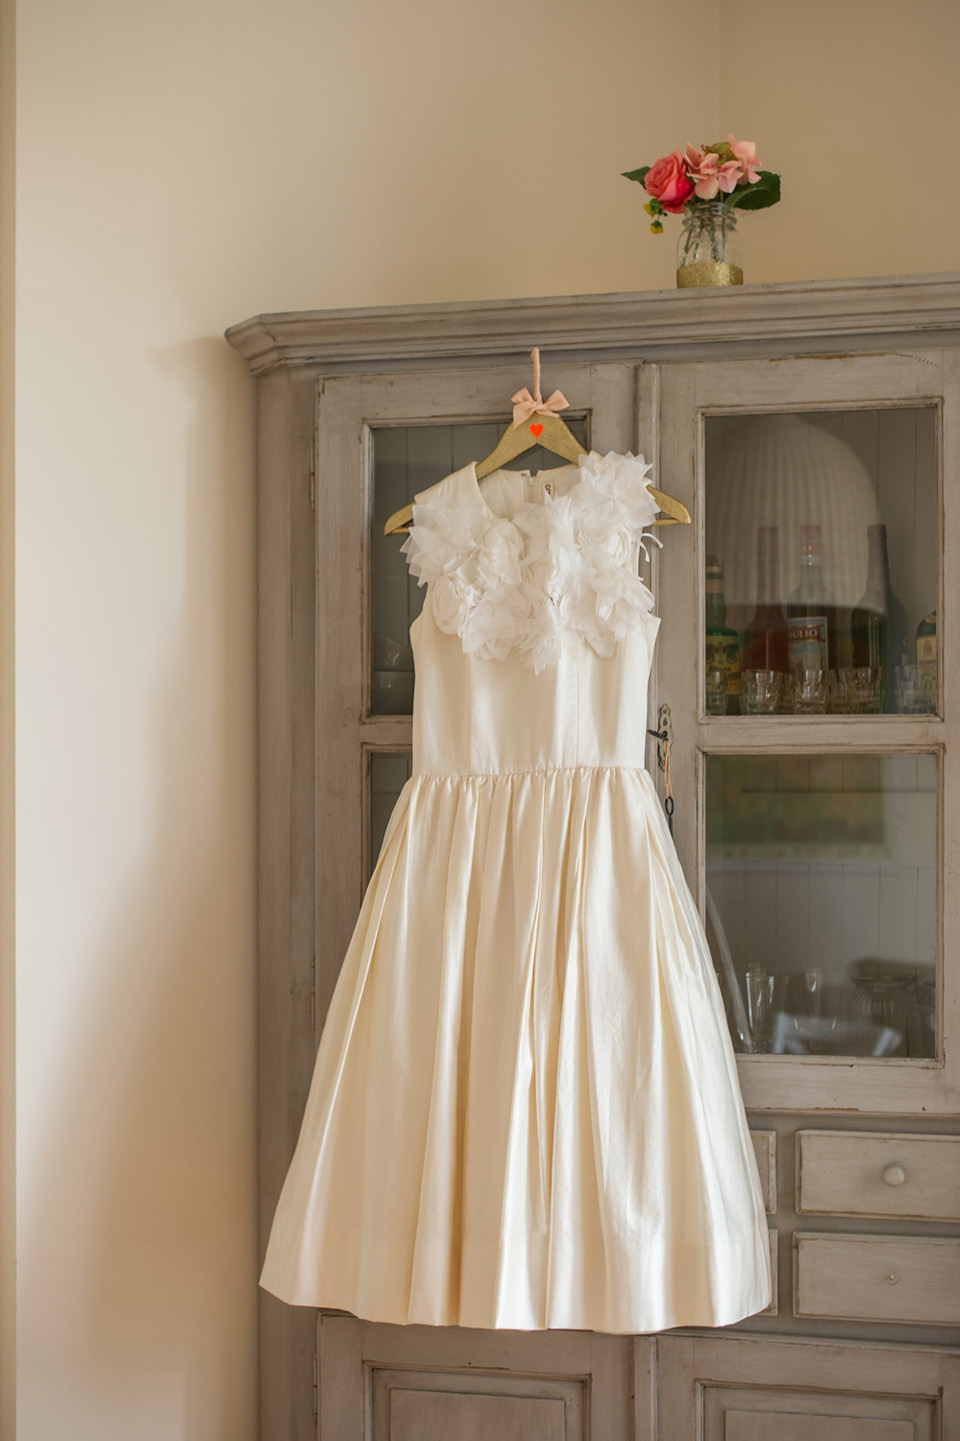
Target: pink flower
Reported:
[(668, 182), (709, 174), (745, 152)]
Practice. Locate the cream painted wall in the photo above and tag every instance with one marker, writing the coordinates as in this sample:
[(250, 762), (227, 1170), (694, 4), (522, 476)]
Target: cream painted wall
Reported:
[(181, 166), (8, 1199), (855, 103)]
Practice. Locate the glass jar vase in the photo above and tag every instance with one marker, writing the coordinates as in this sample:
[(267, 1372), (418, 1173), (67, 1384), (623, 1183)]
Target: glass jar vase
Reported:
[(708, 251)]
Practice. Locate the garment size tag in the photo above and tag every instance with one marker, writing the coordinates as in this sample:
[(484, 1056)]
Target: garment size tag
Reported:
[(546, 489)]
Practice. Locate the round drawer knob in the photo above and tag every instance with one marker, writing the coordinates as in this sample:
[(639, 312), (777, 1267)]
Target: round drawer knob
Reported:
[(894, 1175)]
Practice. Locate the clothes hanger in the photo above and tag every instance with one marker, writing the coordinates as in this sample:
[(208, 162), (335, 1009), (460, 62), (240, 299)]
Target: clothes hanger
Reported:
[(535, 422), (550, 432)]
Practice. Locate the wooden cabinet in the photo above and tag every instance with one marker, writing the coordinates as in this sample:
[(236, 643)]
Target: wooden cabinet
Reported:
[(821, 837)]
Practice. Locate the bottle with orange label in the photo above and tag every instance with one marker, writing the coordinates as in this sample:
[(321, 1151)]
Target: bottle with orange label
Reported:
[(765, 639), (813, 624)]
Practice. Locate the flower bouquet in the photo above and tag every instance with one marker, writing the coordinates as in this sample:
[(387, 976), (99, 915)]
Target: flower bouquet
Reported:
[(705, 186)]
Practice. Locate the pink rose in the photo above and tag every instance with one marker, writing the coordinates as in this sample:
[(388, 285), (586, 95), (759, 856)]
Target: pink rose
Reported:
[(668, 182)]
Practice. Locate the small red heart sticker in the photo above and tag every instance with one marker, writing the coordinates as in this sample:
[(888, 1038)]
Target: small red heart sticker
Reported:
[(536, 429)]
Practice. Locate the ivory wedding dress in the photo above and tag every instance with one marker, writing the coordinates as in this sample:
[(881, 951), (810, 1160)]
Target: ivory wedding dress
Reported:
[(525, 1110)]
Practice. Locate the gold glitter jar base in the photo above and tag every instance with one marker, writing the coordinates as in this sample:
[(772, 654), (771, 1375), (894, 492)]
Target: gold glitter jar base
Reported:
[(709, 272), (708, 247)]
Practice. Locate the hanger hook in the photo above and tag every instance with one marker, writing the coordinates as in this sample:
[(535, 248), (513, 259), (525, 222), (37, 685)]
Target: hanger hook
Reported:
[(535, 357)]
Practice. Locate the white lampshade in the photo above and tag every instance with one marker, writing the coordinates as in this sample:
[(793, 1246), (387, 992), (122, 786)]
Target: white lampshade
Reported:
[(787, 471)]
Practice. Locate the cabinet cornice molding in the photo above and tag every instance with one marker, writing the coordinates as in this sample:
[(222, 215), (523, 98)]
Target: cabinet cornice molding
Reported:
[(650, 324)]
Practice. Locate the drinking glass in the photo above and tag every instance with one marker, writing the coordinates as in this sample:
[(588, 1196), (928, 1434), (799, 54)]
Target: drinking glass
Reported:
[(861, 689), (716, 690), (814, 1019), (761, 1008), (760, 691), (911, 699), (878, 1012), (809, 690), (836, 698)]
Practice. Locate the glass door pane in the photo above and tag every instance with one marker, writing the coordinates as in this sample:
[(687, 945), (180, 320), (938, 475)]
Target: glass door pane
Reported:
[(406, 460), (389, 773), (821, 562), (822, 901)]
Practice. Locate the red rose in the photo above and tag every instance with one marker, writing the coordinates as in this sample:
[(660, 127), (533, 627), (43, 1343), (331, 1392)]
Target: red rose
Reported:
[(667, 181)]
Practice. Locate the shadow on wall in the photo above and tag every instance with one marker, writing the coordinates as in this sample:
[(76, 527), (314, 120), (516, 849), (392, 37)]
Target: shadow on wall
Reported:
[(144, 1222)]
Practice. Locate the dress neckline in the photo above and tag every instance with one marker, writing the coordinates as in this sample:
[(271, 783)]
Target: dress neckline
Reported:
[(549, 575), (533, 504)]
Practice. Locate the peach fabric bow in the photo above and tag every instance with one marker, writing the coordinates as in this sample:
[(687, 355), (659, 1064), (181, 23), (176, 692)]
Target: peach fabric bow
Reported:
[(525, 404)]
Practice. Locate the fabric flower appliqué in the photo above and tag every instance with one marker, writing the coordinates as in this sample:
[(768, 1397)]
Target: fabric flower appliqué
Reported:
[(551, 575)]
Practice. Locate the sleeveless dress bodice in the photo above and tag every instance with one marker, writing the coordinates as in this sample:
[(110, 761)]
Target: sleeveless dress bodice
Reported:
[(587, 706)]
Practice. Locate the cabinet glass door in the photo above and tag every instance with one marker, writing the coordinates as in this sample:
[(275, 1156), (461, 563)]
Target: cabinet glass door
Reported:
[(816, 719), (389, 773), (821, 901), (821, 564)]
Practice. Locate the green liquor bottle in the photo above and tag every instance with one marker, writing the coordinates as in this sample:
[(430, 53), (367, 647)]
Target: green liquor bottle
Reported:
[(927, 659), (722, 644)]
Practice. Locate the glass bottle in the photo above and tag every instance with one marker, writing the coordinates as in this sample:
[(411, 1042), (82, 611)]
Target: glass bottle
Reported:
[(813, 627), (878, 622), (721, 642), (765, 642), (927, 660), (708, 250)]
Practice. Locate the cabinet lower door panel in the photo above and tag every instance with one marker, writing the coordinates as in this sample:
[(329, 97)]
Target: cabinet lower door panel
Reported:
[(419, 1407), (748, 1389), (420, 1383), (761, 1425)]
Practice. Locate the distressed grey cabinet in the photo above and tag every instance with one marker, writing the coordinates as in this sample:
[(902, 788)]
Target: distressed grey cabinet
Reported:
[(814, 433)]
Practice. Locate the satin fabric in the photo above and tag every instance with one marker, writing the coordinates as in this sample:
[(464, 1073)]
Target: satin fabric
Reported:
[(525, 1110)]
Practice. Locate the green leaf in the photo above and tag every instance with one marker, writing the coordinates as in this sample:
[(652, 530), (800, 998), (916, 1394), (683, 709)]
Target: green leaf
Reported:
[(763, 193), (638, 175)]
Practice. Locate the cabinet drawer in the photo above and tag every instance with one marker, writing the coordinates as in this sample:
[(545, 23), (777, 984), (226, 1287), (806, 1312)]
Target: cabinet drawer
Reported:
[(859, 1173), (877, 1278)]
